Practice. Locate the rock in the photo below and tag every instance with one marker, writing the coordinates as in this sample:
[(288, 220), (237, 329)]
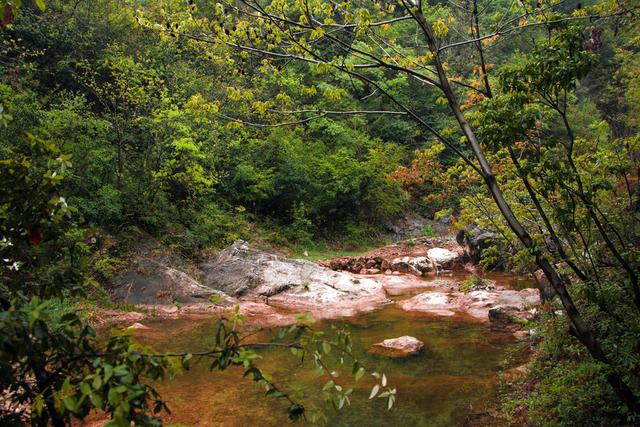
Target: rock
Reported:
[(521, 334), (509, 318), (305, 254), (408, 284), (443, 258), (476, 241), (445, 220), (292, 283), (476, 304), (131, 316), (357, 268), (438, 303), (385, 265), (397, 347), (138, 326), (412, 265), (159, 284)]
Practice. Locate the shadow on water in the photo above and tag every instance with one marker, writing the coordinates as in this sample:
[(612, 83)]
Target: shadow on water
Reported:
[(455, 374)]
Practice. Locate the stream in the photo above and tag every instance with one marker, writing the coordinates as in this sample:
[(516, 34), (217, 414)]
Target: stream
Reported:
[(455, 375)]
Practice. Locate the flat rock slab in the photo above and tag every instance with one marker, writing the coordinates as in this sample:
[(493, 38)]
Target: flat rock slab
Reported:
[(476, 304), (436, 303), (406, 284), (397, 347)]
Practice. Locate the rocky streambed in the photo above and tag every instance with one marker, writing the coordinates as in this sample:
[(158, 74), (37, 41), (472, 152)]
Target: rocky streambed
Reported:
[(270, 288), (438, 336)]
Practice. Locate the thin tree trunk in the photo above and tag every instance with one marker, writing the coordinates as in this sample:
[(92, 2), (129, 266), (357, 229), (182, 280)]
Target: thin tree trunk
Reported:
[(582, 330)]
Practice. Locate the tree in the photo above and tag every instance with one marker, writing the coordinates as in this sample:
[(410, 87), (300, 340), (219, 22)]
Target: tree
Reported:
[(368, 43)]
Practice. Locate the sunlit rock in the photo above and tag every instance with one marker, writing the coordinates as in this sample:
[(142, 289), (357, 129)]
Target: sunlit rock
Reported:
[(397, 347)]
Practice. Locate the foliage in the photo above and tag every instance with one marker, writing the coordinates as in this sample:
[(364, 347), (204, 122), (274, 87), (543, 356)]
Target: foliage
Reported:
[(310, 118)]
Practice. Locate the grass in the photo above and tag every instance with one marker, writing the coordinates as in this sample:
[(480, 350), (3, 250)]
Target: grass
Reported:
[(322, 250)]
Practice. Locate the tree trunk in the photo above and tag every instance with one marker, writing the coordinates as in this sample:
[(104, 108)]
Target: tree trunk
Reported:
[(583, 331)]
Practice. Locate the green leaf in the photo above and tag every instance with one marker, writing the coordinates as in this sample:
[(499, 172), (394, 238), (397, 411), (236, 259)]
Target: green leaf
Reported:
[(40, 4), (96, 400), (328, 385), (326, 347), (113, 397)]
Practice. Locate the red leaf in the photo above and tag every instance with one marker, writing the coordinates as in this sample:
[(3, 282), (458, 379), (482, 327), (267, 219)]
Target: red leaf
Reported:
[(8, 15), (35, 237)]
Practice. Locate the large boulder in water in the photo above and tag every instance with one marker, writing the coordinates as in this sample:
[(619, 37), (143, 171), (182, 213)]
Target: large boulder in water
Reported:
[(442, 258), (156, 275), (241, 270), (397, 347)]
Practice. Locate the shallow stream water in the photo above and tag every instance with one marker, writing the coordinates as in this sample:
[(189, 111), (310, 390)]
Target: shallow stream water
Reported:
[(454, 376)]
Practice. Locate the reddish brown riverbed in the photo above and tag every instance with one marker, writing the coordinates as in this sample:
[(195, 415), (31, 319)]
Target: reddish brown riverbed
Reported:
[(453, 377)]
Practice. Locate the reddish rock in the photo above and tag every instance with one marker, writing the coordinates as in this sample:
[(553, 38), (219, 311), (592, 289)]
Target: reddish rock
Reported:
[(476, 304), (138, 326), (516, 373), (521, 334), (437, 303), (357, 268), (397, 347)]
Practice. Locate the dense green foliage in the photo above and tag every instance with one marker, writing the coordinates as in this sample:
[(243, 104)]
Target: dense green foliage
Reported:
[(145, 119), (296, 120)]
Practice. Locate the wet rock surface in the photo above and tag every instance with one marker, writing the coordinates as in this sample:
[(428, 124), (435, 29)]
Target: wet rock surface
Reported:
[(243, 271), (397, 347), (269, 286), (477, 304)]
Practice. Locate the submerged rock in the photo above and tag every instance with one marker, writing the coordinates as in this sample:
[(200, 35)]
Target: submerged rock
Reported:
[(397, 347), (241, 270)]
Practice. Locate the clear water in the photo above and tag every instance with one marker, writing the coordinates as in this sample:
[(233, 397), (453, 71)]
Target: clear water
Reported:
[(454, 376)]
